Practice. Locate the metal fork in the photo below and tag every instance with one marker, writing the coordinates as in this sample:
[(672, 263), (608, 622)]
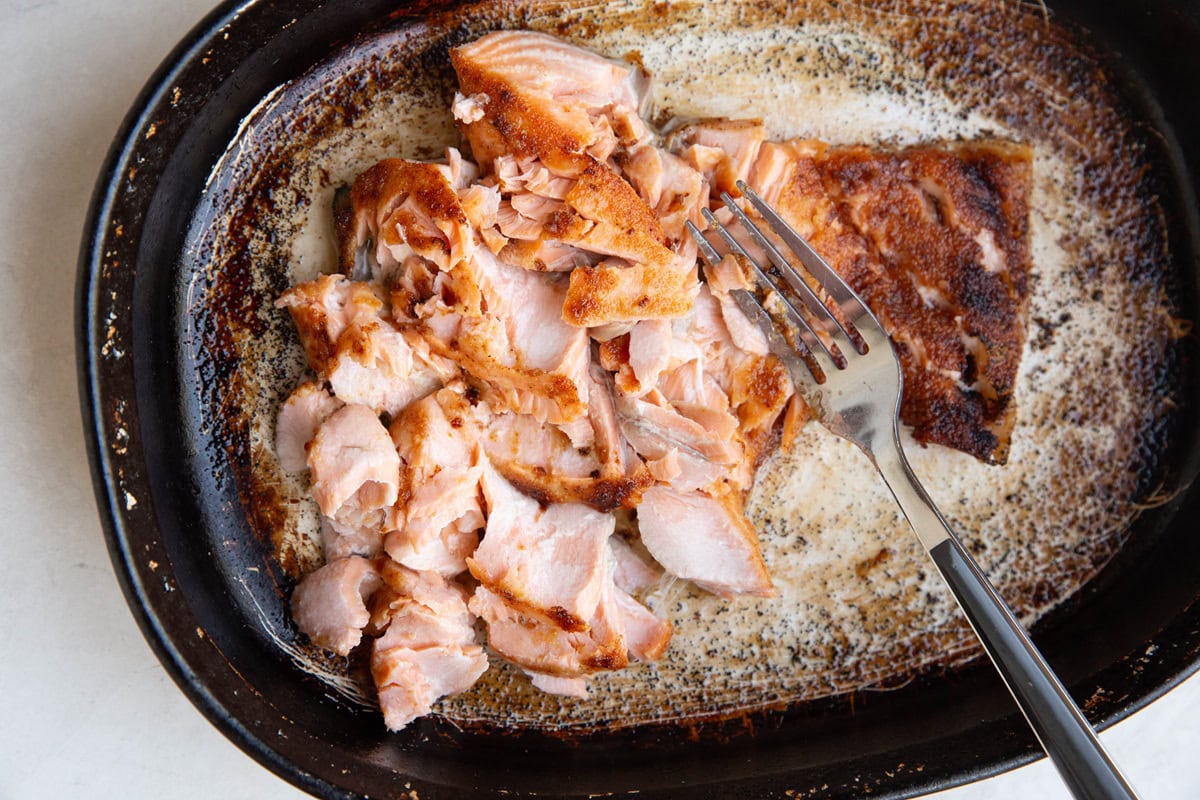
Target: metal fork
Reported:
[(855, 389)]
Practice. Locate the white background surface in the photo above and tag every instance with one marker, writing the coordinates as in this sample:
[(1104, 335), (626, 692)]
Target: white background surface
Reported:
[(85, 709)]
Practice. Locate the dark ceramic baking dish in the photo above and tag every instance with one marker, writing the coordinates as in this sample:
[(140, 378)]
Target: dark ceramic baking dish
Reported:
[(168, 505)]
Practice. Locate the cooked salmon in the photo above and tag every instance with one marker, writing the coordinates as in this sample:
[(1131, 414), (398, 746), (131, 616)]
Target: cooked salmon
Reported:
[(563, 114), (349, 342), (722, 150), (354, 466), (375, 365), (563, 464), (530, 360), (674, 190), (401, 586), (704, 539), (299, 417), (564, 687), (532, 325), (330, 603), (646, 636), (322, 310), (439, 512), (500, 323), (546, 588), (536, 97), (935, 240), (536, 643), (631, 572), (551, 560), (340, 540), (405, 208), (427, 649), (692, 402)]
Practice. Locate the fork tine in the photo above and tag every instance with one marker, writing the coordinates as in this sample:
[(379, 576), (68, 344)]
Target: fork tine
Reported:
[(841, 293), (707, 251), (796, 358), (832, 325), (826, 359)]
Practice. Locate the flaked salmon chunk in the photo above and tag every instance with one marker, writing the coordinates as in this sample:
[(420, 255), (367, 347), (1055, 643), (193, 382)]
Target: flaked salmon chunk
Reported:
[(551, 560), (377, 366), (324, 308), (341, 540), (406, 208), (565, 119), (562, 464), (445, 598), (562, 112), (535, 96), (615, 291), (537, 644), (704, 539), (299, 417), (646, 635), (499, 323), (542, 461), (729, 274), (330, 604), (351, 344), (355, 469), (546, 588), (701, 410), (631, 572), (694, 404), (722, 150), (673, 189), (435, 523), (427, 649), (520, 347)]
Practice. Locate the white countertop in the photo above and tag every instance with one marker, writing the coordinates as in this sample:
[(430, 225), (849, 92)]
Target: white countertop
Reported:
[(86, 710)]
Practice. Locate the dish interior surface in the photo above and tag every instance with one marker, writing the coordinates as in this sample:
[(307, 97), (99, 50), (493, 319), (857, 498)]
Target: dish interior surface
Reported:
[(857, 604), (858, 610)]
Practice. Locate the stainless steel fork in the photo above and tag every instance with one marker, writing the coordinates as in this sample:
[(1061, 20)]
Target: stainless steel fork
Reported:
[(855, 389)]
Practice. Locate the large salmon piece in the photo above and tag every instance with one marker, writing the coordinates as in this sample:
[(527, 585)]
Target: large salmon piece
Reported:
[(935, 240)]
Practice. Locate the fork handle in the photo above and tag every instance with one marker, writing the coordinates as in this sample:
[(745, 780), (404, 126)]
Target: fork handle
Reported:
[(1060, 726)]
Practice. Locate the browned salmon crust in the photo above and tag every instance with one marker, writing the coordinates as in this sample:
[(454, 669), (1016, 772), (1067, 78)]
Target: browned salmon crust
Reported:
[(935, 240)]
